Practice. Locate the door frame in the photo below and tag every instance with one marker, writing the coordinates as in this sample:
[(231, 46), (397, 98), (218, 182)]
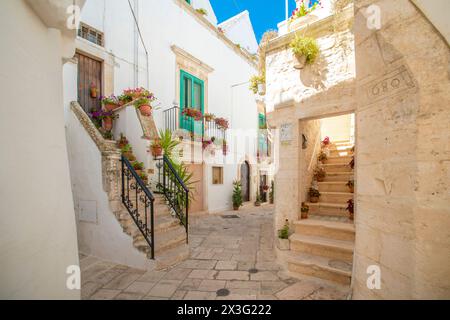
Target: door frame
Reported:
[(249, 178)]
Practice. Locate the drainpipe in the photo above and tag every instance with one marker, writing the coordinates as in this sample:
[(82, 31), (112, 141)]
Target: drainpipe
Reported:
[(138, 35)]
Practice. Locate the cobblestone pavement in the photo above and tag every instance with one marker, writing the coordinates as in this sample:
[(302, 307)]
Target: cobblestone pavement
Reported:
[(229, 253)]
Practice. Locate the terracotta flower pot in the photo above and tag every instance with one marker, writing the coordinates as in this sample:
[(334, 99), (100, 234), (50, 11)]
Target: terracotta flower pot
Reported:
[(128, 154), (352, 216), (320, 179), (107, 124), (257, 204), (235, 208), (146, 110), (301, 61), (352, 189), (156, 151), (304, 215), (314, 199), (110, 107), (93, 93)]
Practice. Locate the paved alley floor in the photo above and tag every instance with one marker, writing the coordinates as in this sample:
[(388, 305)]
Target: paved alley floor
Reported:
[(232, 258)]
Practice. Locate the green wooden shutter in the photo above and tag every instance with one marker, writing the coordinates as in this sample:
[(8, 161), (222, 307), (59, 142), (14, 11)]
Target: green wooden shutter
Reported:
[(191, 96)]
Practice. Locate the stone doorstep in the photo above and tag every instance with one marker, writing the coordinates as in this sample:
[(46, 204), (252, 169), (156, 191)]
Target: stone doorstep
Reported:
[(318, 267), (327, 229), (335, 197), (330, 248), (328, 209), (333, 186)]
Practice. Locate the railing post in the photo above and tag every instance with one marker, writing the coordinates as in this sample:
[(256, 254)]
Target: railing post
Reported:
[(187, 216), (123, 179), (152, 228)]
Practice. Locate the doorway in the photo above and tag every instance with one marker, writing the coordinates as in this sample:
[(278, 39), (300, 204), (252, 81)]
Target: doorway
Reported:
[(89, 82), (245, 181)]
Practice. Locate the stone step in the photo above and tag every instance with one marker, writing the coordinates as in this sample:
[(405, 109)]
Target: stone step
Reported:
[(163, 241), (326, 229), (172, 257), (333, 186), (162, 224), (341, 147), (323, 247), (320, 267), (341, 153), (335, 197), (333, 159), (328, 209), (338, 176), (332, 168)]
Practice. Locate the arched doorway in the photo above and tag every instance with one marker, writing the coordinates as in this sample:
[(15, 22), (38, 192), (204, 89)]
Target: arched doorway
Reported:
[(245, 181)]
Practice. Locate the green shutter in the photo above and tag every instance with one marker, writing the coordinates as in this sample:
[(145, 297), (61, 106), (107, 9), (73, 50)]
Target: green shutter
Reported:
[(191, 96)]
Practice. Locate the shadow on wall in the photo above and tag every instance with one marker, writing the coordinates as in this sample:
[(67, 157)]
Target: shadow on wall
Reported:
[(314, 76)]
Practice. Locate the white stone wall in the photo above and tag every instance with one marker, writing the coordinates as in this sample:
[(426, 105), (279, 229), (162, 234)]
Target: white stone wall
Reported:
[(38, 239), (402, 171)]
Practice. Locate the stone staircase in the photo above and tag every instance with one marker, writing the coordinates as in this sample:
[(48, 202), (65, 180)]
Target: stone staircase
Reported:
[(170, 235), (322, 246)]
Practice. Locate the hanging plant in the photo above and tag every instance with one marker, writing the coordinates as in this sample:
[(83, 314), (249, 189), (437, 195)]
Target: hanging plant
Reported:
[(305, 49), (222, 123), (257, 84), (93, 90), (192, 113)]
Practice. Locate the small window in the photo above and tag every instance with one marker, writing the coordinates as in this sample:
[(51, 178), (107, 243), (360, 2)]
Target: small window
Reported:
[(90, 34), (217, 175)]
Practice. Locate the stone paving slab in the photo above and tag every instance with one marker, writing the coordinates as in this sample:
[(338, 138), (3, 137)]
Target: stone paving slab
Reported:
[(223, 251)]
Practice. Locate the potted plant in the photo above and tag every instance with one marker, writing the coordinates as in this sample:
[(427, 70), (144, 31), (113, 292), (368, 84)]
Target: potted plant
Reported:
[(93, 90), (302, 10), (127, 151), (258, 84), (143, 104), (351, 185), (222, 123), (272, 193), (326, 142), (323, 157), (202, 11), (224, 147), (156, 148), (138, 167), (124, 99), (209, 117), (352, 163), (144, 178), (350, 209), (192, 113), (258, 200), (123, 141), (237, 195), (320, 174), (265, 188), (110, 103), (304, 211), (283, 237), (305, 50), (314, 195)]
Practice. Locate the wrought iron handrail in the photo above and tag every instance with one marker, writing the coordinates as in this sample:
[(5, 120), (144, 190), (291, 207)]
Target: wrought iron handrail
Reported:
[(143, 216), (175, 191)]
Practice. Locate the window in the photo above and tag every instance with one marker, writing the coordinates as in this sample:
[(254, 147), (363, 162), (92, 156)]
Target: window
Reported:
[(188, 1), (217, 175), (90, 34), (263, 146), (191, 96)]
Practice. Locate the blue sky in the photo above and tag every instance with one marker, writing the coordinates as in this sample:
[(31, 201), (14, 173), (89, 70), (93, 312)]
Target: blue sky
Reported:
[(265, 14)]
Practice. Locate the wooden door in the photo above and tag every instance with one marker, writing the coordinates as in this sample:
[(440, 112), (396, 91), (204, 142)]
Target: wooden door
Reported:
[(89, 74), (197, 205), (245, 181)]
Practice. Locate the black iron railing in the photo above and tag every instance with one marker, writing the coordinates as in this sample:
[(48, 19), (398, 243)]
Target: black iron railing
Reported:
[(175, 191), (139, 201)]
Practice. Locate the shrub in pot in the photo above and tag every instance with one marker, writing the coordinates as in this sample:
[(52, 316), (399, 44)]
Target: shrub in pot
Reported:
[(305, 49), (143, 104), (123, 141), (351, 185), (320, 174), (258, 200), (156, 148), (314, 195), (138, 167), (283, 237), (323, 157), (110, 103), (350, 209), (237, 195), (304, 211)]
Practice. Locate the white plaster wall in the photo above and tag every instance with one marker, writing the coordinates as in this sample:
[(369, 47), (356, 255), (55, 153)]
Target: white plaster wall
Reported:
[(337, 128), (38, 231), (231, 71), (205, 4), (103, 238), (241, 32)]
